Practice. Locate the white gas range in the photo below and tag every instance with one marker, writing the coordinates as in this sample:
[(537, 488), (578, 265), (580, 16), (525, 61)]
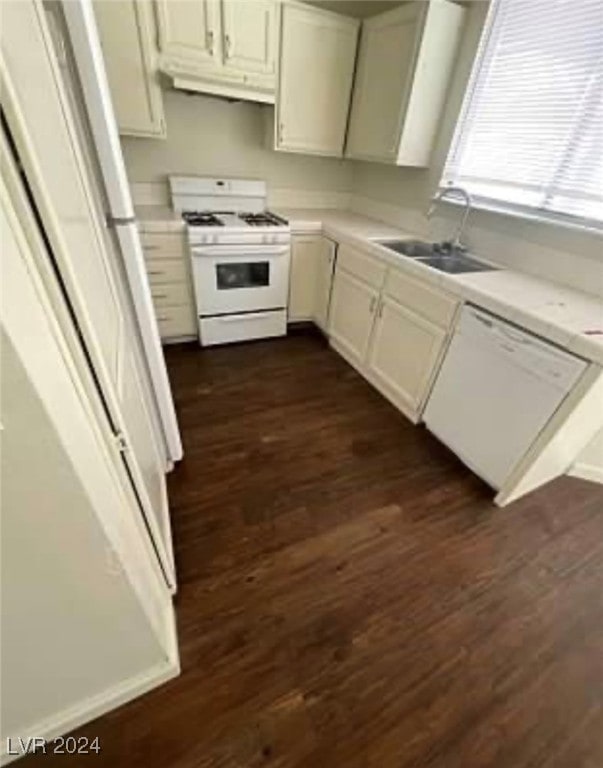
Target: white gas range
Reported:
[(240, 258)]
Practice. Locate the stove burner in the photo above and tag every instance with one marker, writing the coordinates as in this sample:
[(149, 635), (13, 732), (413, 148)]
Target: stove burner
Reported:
[(202, 219), (262, 219)]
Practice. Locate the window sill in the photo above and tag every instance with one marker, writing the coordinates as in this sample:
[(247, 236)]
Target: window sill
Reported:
[(528, 216)]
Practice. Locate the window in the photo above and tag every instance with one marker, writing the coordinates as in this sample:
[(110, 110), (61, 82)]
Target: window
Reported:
[(530, 133)]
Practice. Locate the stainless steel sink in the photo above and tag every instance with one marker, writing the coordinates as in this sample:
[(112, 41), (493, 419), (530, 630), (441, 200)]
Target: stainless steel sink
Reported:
[(416, 249), (456, 264), (440, 256)]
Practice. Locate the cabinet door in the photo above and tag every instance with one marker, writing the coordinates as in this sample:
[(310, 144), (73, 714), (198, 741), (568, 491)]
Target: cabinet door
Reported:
[(249, 35), (404, 352), (126, 36), (317, 53), (383, 81), (188, 30), (352, 311), (325, 264), (305, 252)]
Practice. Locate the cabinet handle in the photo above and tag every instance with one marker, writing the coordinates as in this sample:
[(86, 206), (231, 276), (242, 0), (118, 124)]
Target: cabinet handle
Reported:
[(163, 318), (281, 129), (210, 41), (155, 272), (160, 295), (372, 305), (380, 310), (228, 45), (151, 247)]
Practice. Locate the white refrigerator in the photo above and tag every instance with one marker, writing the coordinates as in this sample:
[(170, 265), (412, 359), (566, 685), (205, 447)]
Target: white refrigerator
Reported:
[(88, 57)]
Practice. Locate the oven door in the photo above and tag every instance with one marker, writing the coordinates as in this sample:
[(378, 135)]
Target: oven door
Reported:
[(240, 278)]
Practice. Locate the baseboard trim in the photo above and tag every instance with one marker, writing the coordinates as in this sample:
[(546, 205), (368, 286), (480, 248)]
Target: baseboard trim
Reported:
[(73, 717), (587, 472), (304, 328)]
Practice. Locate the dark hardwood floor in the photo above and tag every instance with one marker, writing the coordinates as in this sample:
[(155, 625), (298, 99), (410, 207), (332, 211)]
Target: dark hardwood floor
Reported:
[(350, 597)]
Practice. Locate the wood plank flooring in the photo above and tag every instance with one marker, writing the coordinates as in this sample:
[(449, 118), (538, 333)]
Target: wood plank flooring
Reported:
[(350, 597)]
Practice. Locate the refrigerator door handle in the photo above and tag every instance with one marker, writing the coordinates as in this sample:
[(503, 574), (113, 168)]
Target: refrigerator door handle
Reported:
[(118, 221)]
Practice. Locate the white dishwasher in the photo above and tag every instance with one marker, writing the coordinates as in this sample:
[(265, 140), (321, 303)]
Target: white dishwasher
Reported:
[(497, 388)]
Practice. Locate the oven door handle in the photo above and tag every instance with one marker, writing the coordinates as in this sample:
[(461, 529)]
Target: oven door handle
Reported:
[(238, 318), (253, 251)]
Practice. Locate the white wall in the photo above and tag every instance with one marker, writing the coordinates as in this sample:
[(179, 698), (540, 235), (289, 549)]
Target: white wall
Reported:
[(210, 136), (213, 137), (402, 196)]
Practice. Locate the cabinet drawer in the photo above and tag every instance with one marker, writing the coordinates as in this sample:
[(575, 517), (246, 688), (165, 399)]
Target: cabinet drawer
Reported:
[(428, 302), (367, 268), (167, 271), (171, 295), (163, 245), (176, 321)]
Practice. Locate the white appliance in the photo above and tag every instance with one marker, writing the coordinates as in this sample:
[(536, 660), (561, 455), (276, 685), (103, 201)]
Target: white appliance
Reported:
[(88, 56), (240, 257), (496, 390)]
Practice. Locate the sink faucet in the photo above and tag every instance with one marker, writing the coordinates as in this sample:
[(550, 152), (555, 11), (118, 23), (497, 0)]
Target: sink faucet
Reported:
[(456, 192)]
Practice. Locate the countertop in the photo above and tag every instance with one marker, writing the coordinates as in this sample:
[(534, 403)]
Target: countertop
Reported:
[(158, 218), (567, 317)]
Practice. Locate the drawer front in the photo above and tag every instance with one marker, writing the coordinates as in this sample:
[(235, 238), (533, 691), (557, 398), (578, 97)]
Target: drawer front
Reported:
[(425, 301), (163, 245), (162, 271), (363, 266), (176, 321), (171, 295)]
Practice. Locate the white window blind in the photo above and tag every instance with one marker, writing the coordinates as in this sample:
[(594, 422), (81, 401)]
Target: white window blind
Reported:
[(530, 132)]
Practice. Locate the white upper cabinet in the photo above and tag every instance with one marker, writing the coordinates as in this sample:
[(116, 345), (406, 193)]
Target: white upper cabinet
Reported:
[(189, 30), (250, 35), (317, 55), (404, 65), (223, 47), (126, 34), (384, 68)]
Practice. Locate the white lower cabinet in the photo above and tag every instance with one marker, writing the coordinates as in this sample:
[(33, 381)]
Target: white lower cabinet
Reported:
[(310, 278), (305, 252), (404, 351), (391, 327), (325, 264), (353, 304), (169, 275)]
